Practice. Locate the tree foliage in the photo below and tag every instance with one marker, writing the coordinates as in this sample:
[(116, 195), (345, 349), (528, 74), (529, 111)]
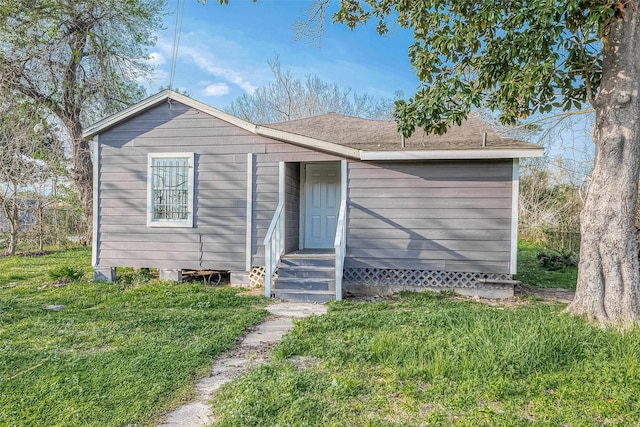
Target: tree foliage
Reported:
[(30, 154), (288, 97), (80, 60), (518, 57)]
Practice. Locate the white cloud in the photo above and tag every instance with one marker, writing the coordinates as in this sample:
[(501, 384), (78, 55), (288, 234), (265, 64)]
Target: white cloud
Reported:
[(156, 58), (206, 61), (209, 54), (216, 89)]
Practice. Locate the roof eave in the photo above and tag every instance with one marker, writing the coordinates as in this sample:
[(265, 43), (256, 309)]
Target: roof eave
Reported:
[(158, 99), (214, 112), (131, 111), (312, 143), (304, 141), (510, 153)]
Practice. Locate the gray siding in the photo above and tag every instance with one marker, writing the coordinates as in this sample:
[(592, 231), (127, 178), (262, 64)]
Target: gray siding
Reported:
[(446, 216), (218, 238), (292, 206), (451, 216)]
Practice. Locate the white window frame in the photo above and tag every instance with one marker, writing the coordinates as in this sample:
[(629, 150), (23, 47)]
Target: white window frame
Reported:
[(187, 222)]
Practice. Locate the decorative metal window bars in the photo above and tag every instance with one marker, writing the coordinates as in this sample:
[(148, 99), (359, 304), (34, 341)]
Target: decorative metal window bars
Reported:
[(170, 186)]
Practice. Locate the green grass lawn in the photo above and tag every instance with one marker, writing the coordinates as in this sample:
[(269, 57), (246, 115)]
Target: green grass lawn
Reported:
[(531, 272), (430, 359), (117, 354)]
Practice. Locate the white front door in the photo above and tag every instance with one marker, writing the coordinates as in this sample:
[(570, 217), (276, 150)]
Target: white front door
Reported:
[(322, 202)]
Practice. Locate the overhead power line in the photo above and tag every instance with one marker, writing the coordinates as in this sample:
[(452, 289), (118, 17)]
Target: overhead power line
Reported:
[(177, 32)]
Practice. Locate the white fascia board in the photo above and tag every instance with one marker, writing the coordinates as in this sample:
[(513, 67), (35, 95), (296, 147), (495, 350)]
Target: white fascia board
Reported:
[(158, 99), (452, 154), (96, 201), (515, 193), (213, 112), (110, 121), (305, 141)]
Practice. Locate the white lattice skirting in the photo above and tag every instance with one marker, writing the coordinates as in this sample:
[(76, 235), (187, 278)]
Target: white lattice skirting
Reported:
[(427, 278), (256, 276)]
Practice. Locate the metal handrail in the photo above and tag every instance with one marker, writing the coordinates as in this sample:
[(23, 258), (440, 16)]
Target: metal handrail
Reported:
[(273, 247), (340, 246)]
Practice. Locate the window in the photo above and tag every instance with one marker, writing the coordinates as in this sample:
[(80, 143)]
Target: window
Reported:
[(170, 190)]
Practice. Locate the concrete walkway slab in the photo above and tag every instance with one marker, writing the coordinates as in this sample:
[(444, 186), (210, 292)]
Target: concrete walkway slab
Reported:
[(250, 353), (297, 310), (269, 332)]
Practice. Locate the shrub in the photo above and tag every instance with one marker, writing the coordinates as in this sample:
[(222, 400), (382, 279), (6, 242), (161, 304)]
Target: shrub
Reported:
[(553, 260), (135, 277), (66, 272)]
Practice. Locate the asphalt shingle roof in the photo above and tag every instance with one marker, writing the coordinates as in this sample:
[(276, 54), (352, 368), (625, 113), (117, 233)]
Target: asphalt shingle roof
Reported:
[(381, 135)]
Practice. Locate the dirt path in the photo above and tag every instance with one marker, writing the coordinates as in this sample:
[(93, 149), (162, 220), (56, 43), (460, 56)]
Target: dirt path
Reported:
[(549, 294), (524, 294), (251, 352)]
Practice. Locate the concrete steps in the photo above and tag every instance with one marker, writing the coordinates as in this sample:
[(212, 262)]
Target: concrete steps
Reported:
[(306, 276)]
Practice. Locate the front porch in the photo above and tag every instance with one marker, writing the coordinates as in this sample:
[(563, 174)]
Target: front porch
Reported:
[(304, 257)]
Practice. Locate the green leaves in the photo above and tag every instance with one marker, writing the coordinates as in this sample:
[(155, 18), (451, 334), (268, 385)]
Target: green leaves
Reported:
[(65, 55), (518, 57)]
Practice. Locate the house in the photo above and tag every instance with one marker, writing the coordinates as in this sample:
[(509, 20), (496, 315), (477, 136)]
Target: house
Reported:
[(316, 207)]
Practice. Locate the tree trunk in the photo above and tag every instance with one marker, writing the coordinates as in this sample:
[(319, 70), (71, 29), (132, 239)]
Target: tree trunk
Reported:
[(82, 169), (40, 226), (608, 288), (13, 239), (83, 178), (73, 105), (14, 222)]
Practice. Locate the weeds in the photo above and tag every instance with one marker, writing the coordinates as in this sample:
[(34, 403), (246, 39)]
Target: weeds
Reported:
[(111, 356), (128, 277), (427, 359), (553, 260), (66, 272), (532, 272)]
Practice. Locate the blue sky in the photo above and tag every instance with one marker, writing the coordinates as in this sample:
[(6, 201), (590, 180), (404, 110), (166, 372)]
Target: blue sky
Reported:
[(224, 51)]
